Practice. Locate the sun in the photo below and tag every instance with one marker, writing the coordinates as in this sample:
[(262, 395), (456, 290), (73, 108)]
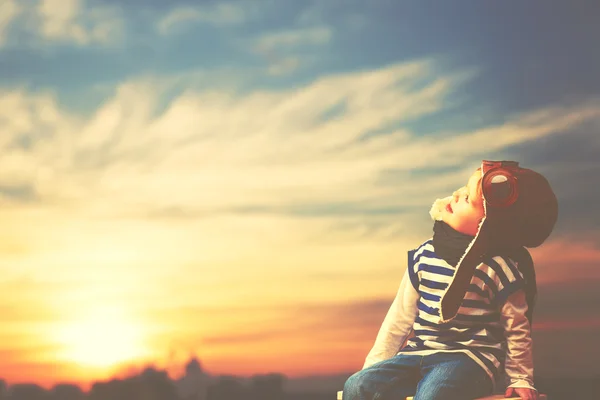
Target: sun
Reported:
[(101, 340)]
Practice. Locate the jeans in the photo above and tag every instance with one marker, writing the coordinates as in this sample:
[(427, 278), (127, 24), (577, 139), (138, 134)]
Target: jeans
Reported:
[(440, 376)]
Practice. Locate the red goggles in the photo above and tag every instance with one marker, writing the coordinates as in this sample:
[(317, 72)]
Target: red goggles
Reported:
[(499, 183)]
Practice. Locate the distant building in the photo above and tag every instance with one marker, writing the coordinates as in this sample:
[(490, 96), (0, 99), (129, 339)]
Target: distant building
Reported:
[(194, 384)]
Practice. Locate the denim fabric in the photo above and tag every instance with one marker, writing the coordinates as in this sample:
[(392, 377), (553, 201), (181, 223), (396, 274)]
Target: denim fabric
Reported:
[(440, 376)]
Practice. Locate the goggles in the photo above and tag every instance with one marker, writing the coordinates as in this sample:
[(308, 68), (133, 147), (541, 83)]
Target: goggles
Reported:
[(499, 183)]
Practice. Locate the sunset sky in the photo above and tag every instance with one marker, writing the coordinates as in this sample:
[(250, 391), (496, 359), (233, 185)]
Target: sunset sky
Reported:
[(242, 180)]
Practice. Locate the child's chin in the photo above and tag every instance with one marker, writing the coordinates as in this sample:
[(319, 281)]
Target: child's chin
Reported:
[(438, 208)]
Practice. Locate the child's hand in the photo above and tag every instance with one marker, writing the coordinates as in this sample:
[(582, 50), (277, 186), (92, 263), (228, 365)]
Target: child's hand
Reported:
[(524, 393)]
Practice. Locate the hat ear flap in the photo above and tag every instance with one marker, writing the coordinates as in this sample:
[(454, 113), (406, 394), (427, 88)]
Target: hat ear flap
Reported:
[(454, 295)]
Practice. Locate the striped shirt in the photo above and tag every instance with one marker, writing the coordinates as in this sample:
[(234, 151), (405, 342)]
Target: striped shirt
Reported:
[(477, 329)]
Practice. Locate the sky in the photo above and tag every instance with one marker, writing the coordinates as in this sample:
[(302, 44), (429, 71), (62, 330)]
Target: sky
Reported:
[(241, 180)]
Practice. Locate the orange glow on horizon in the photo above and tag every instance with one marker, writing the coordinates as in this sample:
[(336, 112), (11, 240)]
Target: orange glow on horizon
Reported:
[(157, 293)]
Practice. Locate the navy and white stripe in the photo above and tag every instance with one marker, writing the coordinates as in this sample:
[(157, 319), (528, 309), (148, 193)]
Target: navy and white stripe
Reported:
[(476, 330)]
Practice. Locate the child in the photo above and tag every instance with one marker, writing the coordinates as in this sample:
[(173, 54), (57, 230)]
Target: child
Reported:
[(467, 295)]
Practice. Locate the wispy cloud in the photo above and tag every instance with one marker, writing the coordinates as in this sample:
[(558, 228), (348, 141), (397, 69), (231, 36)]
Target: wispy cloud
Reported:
[(213, 150), (216, 164), (349, 14), (76, 21), (217, 13), (9, 10), (581, 256), (286, 65), (282, 40), (287, 51)]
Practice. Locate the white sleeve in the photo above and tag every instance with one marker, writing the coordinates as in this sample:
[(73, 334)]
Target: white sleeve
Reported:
[(519, 355), (397, 324)]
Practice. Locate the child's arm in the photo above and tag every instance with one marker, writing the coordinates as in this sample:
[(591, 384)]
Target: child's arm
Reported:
[(519, 356), (397, 323)]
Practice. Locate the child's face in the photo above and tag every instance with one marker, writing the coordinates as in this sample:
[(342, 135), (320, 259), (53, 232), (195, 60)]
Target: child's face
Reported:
[(465, 210)]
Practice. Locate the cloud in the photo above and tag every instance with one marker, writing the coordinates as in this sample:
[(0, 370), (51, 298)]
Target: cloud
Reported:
[(207, 165), (285, 65), (567, 259), (313, 36), (570, 163), (219, 14), (74, 21), (211, 150), (349, 14), (289, 50), (9, 10)]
